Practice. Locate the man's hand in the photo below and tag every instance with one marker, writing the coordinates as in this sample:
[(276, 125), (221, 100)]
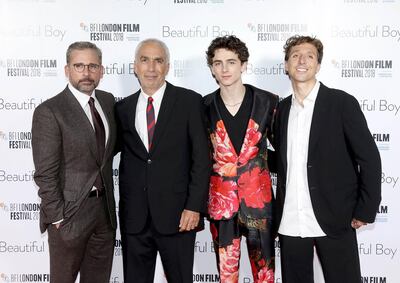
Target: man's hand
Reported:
[(189, 220), (357, 223)]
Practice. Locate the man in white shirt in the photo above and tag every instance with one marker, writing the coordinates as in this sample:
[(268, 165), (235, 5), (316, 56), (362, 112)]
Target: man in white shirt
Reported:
[(164, 170), (329, 172), (73, 138)]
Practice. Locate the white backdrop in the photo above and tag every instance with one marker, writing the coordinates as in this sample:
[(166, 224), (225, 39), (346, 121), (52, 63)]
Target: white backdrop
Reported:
[(362, 43)]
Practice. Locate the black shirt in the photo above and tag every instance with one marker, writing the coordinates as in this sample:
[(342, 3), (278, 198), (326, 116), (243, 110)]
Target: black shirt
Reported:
[(236, 126)]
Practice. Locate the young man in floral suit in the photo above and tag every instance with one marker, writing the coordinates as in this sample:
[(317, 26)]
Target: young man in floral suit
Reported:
[(239, 120)]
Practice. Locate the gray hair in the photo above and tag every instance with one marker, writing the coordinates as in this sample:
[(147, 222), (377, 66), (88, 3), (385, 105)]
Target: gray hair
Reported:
[(156, 41), (81, 45)]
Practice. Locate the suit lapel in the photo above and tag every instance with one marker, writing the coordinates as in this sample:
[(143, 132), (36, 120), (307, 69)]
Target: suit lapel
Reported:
[(284, 108), (317, 122), (84, 128), (167, 105), (107, 113)]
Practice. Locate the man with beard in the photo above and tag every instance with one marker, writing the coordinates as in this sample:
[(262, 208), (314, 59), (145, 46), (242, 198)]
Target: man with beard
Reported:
[(73, 138)]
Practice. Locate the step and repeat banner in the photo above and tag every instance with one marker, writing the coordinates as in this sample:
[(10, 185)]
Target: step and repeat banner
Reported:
[(361, 56)]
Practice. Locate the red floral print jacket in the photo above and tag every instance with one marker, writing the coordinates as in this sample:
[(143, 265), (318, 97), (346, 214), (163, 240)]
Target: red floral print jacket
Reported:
[(241, 180)]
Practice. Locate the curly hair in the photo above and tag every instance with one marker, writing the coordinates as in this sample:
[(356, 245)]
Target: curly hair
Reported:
[(298, 39), (229, 42)]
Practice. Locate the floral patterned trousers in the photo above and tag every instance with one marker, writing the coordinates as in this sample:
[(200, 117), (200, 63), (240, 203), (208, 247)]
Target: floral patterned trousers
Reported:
[(227, 235)]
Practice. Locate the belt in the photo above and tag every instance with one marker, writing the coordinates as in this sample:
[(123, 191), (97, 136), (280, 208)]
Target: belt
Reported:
[(96, 193)]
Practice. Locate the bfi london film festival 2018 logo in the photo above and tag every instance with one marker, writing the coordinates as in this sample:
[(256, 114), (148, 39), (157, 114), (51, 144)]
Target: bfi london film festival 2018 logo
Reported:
[(16, 140), (382, 140), (20, 211), (29, 67), (279, 32), (364, 68), (114, 32), (24, 277)]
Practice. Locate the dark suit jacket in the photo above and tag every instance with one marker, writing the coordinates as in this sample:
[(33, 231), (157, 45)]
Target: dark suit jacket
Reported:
[(174, 175), (65, 156), (343, 166)]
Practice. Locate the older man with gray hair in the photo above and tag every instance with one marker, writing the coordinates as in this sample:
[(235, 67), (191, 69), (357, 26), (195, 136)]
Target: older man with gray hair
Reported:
[(164, 170)]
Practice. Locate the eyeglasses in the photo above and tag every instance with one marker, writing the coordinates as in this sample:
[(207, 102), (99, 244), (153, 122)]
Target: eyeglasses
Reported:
[(80, 67)]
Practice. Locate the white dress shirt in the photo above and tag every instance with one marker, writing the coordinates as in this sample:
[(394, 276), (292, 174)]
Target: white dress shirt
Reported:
[(83, 100), (298, 218), (140, 118)]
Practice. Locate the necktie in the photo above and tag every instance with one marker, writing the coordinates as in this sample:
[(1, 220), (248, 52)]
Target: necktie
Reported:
[(100, 138), (150, 120)]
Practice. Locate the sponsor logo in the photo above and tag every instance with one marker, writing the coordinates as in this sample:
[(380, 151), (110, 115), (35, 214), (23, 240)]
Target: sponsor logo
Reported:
[(389, 180), (117, 68), (377, 249), (364, 68), (16, 140), (382, 215), (118, 247), (203, 247), (182, 68), (373, 279), (112, 31), (21, 211), (25, 277), (379, 105), (277, 247), (199, 31), (35, 68), (26, 104), (19, 177), (366, 31), (115, 174), (208, 277), (33, 31), (276, 31), (277, 69), (30, 247), (382, 140)]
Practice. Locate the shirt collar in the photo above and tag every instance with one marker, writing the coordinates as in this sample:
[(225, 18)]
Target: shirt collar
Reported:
[(157, 96), (82, 98), (310, 98)]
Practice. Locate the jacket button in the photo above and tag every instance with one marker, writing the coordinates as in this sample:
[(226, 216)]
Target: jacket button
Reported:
[(144, 189), (149, 161)]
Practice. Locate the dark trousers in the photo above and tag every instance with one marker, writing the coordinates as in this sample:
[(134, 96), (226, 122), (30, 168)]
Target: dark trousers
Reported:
[(338, 256), (140, 254), (84, 243)]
